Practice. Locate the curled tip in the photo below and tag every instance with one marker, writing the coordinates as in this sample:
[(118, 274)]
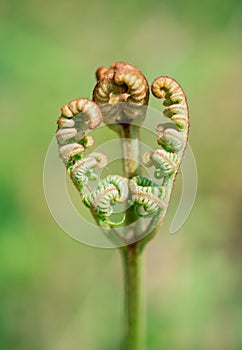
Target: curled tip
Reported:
[(106, 91), (89, 109), (160, 128), (137, 85), (121, 183), (101, 72), (113, 223), (140, 211), (81, 171), (123, 80), (146, 159), (171, 140), (112, 189), (100, 158), (87, 141), (175, 100), (166, 162), (146, 196)]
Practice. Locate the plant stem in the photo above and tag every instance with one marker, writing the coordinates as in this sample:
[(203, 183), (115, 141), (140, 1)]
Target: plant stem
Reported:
[(134, 306), (129, 135), (132, 254)]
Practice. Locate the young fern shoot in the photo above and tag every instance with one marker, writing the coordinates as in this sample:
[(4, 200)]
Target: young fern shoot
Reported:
[(120, 99)]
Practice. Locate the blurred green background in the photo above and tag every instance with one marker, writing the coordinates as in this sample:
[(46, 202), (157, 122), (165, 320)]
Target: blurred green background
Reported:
[(58, 294)]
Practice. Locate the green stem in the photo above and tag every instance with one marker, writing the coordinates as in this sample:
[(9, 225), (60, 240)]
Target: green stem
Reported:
[(134, 306), (129, 135), (132, 254)]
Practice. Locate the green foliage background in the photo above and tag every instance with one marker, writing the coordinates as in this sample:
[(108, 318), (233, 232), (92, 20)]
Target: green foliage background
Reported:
[(58, 294)]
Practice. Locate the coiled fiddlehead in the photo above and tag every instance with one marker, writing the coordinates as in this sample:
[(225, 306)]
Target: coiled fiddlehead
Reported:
[(175, 101), (89, 109), (112, 189), (120, 95), (172, 141), (82, 169), (165, 162), (146, 196), (122, 82), (76, 117)]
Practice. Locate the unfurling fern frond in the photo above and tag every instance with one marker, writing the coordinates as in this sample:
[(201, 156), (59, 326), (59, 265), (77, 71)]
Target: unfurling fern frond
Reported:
[(165, 162), (121, 183), (121, 82), (112, 189), (120, 97), (82, 169), (175, 100), (72, 128), (171, 140), (89, 109), (146, 196)]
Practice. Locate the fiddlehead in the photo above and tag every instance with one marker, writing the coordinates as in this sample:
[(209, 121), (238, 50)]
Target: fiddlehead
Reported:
[(112, 189), (76, 117), (146, 196), (82, 169), (165, 162), (121, 92), (122, 82), (175, 101), (121, 183), (89, 109), (172, 141)]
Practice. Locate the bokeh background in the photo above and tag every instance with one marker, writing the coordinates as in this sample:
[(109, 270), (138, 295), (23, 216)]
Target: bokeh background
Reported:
[(58, 294)]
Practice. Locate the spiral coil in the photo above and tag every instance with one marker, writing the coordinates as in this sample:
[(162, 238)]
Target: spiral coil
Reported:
[(112, 189), (146, 196)]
